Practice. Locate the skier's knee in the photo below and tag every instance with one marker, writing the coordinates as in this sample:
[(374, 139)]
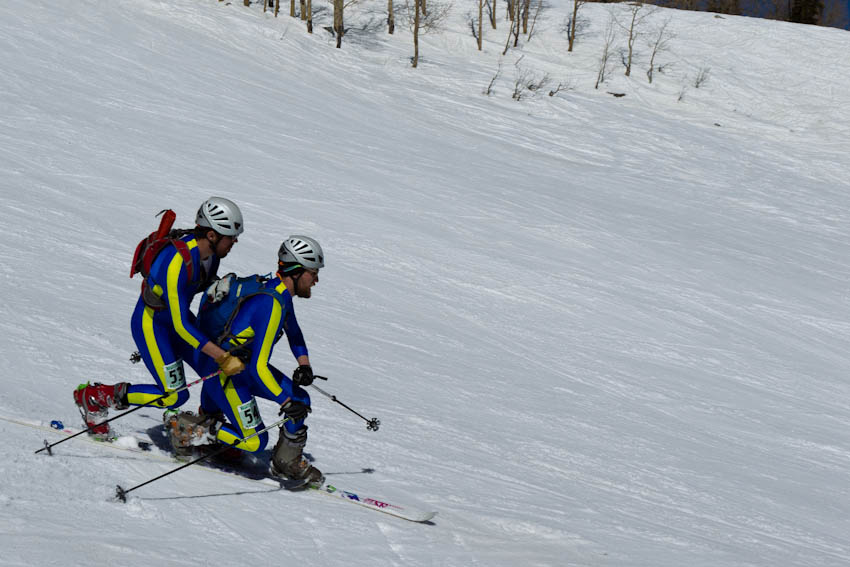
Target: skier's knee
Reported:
[(174, 400)]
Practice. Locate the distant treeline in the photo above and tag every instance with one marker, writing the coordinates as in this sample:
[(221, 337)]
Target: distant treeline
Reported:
[(831, 13)]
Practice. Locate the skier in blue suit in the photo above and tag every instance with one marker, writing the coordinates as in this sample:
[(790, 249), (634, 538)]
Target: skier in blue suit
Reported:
[(163, 327), (260, 321)]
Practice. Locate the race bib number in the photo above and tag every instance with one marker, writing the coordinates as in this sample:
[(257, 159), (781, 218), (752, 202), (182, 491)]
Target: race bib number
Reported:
[(249, 414), (175, 378)]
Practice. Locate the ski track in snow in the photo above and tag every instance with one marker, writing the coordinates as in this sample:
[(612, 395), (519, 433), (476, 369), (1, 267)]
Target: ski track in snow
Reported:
[(596, 331)]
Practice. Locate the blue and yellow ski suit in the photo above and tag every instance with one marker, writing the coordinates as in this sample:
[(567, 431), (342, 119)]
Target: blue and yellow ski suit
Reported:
[(168, 336), (260, 322)]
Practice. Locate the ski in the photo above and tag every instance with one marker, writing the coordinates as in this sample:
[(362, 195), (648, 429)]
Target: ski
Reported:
[(129, 443), (403, 512)]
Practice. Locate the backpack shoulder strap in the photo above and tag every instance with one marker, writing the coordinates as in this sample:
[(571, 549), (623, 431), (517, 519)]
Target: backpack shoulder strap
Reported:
[(227, 333), (183, 250)]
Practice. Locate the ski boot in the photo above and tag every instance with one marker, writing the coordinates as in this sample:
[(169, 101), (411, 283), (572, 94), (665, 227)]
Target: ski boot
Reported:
[(94, 401), (190, 433), (288, 459), (187, 431)]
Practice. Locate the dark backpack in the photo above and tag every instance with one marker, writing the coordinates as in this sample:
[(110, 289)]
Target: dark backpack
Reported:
[(217, 312)]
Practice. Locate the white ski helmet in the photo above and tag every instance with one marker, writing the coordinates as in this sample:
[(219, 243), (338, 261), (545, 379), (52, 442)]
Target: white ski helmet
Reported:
[(300, 252), (222, 215)]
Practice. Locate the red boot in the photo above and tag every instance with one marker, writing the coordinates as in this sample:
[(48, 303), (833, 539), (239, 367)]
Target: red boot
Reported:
[(94, 400)]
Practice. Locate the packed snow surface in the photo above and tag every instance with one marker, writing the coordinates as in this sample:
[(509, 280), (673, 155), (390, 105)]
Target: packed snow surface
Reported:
[(597, 330)]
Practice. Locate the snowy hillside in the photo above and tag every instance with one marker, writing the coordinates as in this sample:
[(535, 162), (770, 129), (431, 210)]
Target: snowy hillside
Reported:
[(597, 330)]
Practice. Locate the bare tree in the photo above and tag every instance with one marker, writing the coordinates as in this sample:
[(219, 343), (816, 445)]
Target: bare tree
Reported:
[(637, 14), (608, 41), (573, 22), (291, 8), (422, 23), (658, 45), (303, 10), (491, 10), (514, 6), (540, 6), (390, 17)]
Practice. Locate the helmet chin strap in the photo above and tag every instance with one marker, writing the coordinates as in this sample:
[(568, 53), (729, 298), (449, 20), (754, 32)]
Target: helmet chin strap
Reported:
[(293, 277)]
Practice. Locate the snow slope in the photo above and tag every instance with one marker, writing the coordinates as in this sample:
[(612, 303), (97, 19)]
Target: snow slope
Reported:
[(596, 330)]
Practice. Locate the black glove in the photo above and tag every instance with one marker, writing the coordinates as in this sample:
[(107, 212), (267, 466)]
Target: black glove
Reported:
[(296, 411), (303, 375)]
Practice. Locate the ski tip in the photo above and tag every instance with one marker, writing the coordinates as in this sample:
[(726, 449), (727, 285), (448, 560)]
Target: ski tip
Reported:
[(426, 517)]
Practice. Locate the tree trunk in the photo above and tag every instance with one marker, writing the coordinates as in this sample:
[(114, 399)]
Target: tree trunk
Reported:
[(390, 17), (309, 16), (572, 30), (516, 21), (339, 27), (493, 14), (303, 11), (525, 5), (416, 33), (480, 18), (291, 8)]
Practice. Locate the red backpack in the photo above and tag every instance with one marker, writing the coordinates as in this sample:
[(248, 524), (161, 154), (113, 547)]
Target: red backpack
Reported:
[(153, 244)]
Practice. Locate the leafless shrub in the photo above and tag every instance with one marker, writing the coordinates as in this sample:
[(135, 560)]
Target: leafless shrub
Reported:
[(562, 86), (702, 77), (526, 80), (489, 90)]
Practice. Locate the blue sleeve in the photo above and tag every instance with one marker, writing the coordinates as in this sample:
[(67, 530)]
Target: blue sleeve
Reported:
[(293, 331)]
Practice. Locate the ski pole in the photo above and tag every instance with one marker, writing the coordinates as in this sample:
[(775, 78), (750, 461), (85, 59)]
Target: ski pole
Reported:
[(121, 493), (49, 446), (371, 424)]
